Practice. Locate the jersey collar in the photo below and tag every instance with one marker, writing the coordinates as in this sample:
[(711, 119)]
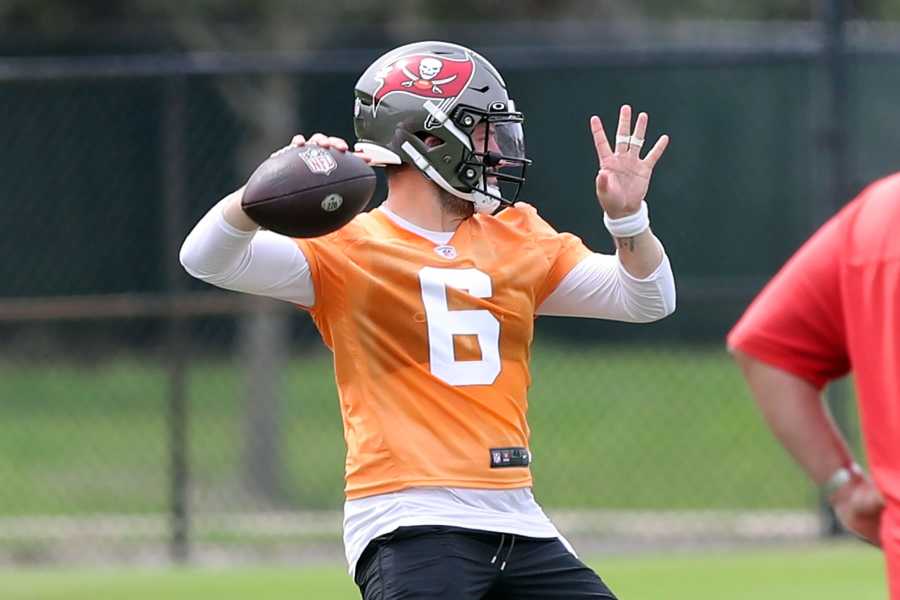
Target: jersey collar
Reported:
[(435, 237)]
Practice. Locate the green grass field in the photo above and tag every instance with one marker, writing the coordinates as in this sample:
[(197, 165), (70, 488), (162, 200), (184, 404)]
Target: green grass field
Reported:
[(822, 573), (626, 427), (613, 427)]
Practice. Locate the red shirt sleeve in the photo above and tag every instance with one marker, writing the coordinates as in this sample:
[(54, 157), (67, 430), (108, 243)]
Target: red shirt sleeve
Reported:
[(796, 323)]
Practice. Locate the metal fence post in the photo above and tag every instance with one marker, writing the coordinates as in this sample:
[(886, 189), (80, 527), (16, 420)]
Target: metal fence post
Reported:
[(173, 123), (835, 54), (835, 59)]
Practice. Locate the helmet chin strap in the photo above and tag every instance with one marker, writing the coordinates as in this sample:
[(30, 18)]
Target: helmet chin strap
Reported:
[(483, 202)]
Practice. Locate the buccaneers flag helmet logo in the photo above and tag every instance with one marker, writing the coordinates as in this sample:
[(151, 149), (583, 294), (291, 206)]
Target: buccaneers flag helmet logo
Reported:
[(426, 76)]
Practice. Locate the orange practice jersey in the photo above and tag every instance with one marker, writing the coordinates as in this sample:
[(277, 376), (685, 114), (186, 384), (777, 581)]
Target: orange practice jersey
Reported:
[(431, 343)]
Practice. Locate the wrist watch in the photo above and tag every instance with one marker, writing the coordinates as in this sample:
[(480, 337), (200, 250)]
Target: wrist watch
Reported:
[(840, 478)]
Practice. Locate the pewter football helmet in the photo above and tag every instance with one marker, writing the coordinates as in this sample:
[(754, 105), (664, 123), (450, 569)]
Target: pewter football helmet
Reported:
[(455, 95)]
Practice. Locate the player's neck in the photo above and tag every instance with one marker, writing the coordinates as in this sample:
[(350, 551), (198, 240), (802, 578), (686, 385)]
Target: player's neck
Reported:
[(417, 200)]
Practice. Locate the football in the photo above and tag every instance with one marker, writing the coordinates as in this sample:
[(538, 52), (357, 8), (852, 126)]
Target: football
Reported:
[(308, 191)]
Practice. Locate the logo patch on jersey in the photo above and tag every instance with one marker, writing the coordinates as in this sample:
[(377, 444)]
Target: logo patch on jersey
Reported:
[(510, 457), (448, 252), (426, 76), (318, 160)]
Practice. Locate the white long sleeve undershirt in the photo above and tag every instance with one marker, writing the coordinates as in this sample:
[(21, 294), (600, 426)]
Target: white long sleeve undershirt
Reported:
[(255, 262), (268, 264)]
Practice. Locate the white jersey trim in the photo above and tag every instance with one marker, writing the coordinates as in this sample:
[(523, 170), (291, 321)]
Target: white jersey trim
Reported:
[(512, 511), (436, 237)]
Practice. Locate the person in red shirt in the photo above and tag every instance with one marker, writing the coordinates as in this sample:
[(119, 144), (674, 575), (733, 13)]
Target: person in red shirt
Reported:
[(835, 307)]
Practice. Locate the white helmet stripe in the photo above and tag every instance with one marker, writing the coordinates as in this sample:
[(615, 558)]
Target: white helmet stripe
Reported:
[(380, 155), (441, 117)]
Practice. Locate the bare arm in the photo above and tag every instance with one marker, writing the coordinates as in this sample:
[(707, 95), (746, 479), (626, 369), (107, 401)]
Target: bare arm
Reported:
[(798, 417), (641, 255)]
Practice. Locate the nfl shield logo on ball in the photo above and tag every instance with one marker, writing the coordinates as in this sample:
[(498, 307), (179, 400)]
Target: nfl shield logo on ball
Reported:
[(318, 160), (332, 202)]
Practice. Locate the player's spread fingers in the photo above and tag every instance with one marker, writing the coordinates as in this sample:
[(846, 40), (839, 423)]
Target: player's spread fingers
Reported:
[(601, 144), (640, 130), (656, 151), (338, 144), (624, 130), (298, 140), (319, 139)]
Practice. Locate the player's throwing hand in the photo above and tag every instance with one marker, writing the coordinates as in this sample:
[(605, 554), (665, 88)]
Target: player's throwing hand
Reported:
[(624, 177), (324, 141)]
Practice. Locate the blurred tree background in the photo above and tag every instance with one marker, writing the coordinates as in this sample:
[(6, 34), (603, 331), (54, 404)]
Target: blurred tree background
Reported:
[(96, 26)]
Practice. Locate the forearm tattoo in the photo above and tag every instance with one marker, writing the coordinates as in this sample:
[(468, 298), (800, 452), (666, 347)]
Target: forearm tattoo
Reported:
[(626, 243)]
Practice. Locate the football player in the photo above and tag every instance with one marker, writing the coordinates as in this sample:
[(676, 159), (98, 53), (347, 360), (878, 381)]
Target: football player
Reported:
[(428, 304)]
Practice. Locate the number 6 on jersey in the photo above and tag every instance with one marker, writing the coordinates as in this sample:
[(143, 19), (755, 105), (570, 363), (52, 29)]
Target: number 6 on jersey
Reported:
[(444, 323)]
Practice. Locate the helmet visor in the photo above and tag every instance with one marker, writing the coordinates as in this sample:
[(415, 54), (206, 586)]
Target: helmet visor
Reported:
[(500, 155), (507, 139), (499, 139), (496, 160)]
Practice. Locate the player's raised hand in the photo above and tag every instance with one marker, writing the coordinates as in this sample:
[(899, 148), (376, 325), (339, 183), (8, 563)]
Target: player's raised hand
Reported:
[(624, 177)]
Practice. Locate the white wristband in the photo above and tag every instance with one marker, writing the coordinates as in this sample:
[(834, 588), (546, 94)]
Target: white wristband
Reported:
[(629, 225)]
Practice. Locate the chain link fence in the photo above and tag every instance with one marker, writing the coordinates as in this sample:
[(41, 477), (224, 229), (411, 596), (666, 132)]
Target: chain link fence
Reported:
[(146, 417)]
